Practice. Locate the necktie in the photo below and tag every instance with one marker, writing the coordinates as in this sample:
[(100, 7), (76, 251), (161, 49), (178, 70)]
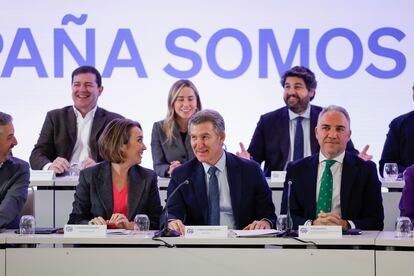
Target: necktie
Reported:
[(325, 190), (298, 143), (213, 197)]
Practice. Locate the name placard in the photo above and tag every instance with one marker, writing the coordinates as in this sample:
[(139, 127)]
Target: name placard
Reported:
[(84, 231), (207, 232), (277, 176), (320, 232), (40, 175)]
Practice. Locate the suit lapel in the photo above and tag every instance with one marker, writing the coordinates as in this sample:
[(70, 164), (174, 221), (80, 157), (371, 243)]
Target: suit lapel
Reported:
[(136, 187), (178, 142), (200, 189), (349, 174), (71, 130), (234, 181), (97, 124), (285, 138), (311, 185), (104, 188), (313, 121)]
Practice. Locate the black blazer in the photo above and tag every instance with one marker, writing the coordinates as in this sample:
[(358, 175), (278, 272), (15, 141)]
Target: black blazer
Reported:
[(94, 197), (399, 145), (58, 136), (271, 142), (164, 153), (361, 199), (251, 197), (14, 181)]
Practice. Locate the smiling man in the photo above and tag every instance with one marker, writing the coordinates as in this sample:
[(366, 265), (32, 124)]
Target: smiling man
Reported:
[(333, 186), (14, 176), (286, 134), (70, 134), (223, 188)]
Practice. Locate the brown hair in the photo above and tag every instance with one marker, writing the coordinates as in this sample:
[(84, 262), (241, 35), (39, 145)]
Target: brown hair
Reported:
[(115, 134), (169, 122)]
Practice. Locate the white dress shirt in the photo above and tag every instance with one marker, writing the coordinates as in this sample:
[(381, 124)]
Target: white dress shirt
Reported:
[(226, 210), (306, 133)]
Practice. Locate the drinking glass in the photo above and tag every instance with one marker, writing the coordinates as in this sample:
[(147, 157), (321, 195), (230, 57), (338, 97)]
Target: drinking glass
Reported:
[(403, 227), (142, 222), (27, 225), (282, 223), (390, 171), (74, 170)]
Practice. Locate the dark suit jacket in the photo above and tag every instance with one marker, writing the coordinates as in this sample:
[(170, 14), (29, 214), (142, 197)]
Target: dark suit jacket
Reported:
[(407, 197), (58, 136), (399, 145), (164, 153), (94, 197), (361, 199), (271, 142), (251, 198), (14, 181)]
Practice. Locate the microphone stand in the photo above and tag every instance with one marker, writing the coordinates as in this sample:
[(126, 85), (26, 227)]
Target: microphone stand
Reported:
[(165, 231), (289, 232)]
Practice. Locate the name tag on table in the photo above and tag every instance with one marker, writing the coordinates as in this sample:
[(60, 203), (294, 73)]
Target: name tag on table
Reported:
[(320, 232), (206, 232), (277, 176), (84, 231), (39, 175)]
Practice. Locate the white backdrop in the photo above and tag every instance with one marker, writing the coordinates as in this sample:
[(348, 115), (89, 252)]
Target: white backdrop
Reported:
[(33, 79)]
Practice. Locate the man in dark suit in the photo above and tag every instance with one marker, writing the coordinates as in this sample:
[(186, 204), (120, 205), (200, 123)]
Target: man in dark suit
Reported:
[(399, 145), (223, 188), (14, 176), (276, 140), (334, 187), (70, 134)]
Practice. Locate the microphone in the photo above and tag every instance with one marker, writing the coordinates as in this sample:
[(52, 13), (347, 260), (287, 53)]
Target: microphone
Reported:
[(166, 232), (289, 232)]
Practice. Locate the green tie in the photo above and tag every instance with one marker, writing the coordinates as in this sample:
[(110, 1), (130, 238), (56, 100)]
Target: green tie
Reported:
[(325, 191)]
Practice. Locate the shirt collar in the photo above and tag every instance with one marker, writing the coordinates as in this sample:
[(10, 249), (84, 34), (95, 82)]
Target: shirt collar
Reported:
[(306, 114), (339, 158), (220, 165), (90, 113)]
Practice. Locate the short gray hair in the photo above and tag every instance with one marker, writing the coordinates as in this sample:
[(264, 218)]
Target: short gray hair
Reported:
[(335, 108), (208, 115), (5, 119)]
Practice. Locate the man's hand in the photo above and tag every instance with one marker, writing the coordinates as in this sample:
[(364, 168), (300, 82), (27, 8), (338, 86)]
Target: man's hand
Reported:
[(364, 155), (177, 225), (330, 218), (174, 164), (243, 152), (258, 224), (59, 165), (88, 162)]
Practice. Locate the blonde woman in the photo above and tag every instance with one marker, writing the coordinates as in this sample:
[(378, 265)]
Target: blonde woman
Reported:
[(170, 142)]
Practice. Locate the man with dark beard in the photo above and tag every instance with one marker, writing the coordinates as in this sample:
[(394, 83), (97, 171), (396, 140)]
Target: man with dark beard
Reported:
[(287, 134)]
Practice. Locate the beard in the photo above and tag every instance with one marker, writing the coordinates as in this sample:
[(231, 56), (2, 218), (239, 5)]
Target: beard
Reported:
[(300, 106)]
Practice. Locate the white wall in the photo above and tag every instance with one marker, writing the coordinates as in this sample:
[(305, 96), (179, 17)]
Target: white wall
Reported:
[(372, 101)]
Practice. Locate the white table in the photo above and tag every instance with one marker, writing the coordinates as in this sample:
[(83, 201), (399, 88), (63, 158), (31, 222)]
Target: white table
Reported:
[(134, 255), (394, 256), (2, 255)]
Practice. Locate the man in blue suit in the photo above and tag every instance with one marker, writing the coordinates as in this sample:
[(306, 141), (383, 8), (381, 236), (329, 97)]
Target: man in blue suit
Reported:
[(399, 145), (334, 187), (276, 138), (223, 188)]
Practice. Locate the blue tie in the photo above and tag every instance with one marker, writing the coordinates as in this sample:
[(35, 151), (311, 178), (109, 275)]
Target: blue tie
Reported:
[(213, 198), (298, 145)]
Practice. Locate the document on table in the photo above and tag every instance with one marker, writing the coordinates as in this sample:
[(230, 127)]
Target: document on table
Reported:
[(118, 232), (254, 233)]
